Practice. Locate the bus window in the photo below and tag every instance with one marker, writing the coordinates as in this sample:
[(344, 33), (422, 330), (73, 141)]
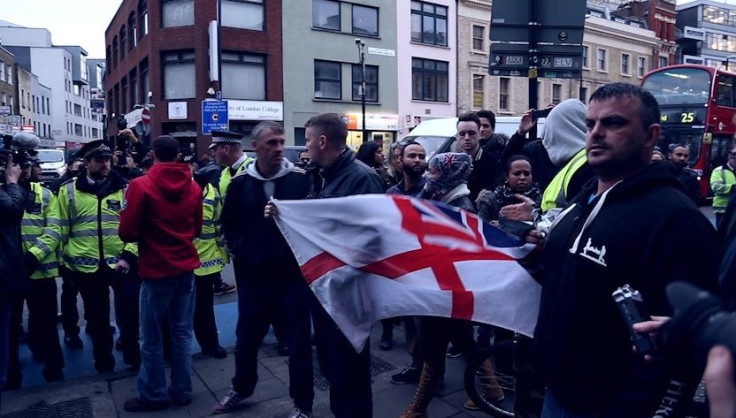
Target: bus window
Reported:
[(719, 148), (679, 86), (693, 138), (725, 94)]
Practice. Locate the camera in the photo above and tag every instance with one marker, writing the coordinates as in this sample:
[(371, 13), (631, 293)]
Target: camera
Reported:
[(20, 146), (631, 306), (536, 114), (699, 322)]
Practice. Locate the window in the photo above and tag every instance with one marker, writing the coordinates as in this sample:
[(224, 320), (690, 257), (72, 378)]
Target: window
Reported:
[(124, 95), (115, 51), (132, 32), (9, 73), (48, 106), (179, 80), (602, 64), (478, 81), (77, 110), (726, 95), (371, 83), (662, 62), (326, 14), (143, 17), (625, 64), (122, 43), (720, 42), (365, 20), (503, 93), (478, 38), (327, 80), (134, 97), (77, 90), (556, 93), (429, 80), (177, 13), (78, 130), (2, 71), (239, 66), (719, 15), (145, 81), (586, 63), (428, 23), (244, 14), (641, 66), (584, 94)]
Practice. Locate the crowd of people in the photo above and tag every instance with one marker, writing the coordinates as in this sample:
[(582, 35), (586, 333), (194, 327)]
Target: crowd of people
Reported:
[(604, 205)]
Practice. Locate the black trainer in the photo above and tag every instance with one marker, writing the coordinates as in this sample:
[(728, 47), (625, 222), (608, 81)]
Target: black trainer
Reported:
[(410, 374)]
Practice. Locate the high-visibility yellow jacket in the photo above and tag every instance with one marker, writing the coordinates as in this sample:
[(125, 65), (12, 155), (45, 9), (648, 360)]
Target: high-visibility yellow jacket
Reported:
[(89, 226), (226, 177), (555, 195), (210, 246), (722, 180), (37, 234)]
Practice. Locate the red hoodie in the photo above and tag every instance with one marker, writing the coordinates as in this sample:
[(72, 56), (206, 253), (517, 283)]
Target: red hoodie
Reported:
[(163, 213)]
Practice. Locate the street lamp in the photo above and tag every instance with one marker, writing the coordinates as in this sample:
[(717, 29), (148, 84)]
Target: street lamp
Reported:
[(361, 57)]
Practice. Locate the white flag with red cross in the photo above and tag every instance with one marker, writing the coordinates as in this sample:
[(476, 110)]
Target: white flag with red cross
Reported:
[(372, 257)]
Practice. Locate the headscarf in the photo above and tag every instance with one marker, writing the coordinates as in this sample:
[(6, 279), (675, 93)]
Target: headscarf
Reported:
[(564, 131), (454, 169)]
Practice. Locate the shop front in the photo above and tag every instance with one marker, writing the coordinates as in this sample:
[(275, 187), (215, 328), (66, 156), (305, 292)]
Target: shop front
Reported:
[(381, 128)]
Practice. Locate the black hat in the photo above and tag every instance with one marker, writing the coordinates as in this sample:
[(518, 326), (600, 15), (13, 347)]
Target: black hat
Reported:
[(225, 137), (95, 149)]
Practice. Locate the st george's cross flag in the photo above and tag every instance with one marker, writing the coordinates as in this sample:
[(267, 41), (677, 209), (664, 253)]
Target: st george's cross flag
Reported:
[(372, 257)]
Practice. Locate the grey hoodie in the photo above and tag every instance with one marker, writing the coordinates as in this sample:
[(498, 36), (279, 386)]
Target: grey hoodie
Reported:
[(564, 131), (268, 185)]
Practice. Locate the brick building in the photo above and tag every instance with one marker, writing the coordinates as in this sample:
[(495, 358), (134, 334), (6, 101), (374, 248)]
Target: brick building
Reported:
[(162, 53)]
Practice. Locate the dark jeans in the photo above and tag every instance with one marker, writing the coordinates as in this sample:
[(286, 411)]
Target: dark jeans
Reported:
[(69, 313), (348, 371), (14, 375), (263, 304), (127, 292), (436, 333), (4, 338), (95, 291), (205, 327), (42, 330)]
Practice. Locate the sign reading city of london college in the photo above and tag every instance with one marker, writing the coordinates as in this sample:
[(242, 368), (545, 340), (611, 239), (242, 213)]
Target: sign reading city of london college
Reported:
[(255, 110)]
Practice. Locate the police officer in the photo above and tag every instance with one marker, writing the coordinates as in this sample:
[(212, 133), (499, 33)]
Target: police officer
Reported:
[(89, 209), (722, 180), (40, 244)]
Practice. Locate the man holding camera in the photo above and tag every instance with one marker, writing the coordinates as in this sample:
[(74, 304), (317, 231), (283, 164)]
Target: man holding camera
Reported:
[(632, 225)]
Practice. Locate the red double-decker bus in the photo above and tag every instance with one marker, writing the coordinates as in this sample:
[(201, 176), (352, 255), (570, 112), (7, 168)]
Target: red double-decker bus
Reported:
[(698, 105)]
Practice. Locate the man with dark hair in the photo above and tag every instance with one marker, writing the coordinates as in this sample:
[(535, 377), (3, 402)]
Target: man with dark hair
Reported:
[(489, 139), (413, 160), (679, 156), (348, 372), (486, 171), (271, 288), (163, 214), (630, 225)]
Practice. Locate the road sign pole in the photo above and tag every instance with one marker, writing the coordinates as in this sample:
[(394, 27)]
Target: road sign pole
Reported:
[(533, 63)]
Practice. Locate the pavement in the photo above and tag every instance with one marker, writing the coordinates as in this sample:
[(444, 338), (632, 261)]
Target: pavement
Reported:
[(85, 393)]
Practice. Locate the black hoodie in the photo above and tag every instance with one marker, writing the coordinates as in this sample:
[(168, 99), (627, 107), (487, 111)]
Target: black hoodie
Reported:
[(646, 233)]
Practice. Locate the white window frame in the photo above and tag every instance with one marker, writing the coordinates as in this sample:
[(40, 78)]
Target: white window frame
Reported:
[(605, 60), (641, 66), (627, 71), (507, 94), (586, 57), (482, 49)]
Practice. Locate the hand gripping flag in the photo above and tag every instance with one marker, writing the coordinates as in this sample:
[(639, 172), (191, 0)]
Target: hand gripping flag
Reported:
[(380, 256)]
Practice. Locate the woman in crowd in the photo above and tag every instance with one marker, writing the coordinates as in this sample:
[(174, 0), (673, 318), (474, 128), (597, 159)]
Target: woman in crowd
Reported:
[(518, 181)]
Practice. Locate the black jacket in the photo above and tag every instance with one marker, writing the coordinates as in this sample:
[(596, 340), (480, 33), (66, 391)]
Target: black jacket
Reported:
[(543, 170), (13, 277), (259, 249), (347, 176), (646, 234), (485, 173)]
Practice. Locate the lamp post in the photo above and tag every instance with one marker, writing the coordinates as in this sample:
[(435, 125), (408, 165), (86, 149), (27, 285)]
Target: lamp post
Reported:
[(361, 57)]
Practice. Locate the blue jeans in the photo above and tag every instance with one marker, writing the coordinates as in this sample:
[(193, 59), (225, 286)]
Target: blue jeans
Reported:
[(171, 300), (4, 338)]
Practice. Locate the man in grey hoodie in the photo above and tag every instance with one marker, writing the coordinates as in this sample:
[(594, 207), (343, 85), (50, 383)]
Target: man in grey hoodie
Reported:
[(271, 288)]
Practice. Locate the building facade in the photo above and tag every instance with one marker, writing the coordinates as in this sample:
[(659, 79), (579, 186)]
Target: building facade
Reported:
[(661, 18), (163, 59), (615, 48), (322, 71), (7, 90), (706, 33), (427, 51)]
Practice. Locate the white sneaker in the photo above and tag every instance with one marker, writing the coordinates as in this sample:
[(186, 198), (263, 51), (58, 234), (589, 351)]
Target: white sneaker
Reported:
[(297, 413)]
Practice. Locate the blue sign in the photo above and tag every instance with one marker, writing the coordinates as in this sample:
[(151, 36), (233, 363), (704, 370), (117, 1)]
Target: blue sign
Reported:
[(214, 116)]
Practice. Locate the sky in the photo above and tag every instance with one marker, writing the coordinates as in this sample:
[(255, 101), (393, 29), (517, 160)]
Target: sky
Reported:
[(71, 22), (81, 22)]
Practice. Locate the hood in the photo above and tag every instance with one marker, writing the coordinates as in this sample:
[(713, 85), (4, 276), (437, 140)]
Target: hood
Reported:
[(648, 178), (564, 131), (252, 170), (172, 179)]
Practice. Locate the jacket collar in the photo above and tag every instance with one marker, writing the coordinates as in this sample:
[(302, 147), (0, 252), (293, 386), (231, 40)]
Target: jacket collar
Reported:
[(336, 166)]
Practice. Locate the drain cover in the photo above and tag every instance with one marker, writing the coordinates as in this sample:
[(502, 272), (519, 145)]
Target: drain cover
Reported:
[(75, 408), (378, 366)]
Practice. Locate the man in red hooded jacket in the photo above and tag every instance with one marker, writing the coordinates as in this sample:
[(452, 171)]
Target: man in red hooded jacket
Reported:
[(163, 213)]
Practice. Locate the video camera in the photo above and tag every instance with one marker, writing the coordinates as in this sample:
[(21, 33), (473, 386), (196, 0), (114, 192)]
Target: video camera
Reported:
[(20, 145)]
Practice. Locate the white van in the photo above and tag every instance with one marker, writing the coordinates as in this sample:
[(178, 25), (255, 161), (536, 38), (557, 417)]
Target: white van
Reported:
[(439, 134), (52, 163)]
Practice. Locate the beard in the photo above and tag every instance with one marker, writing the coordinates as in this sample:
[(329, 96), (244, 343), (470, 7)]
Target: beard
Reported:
[(413, 171)]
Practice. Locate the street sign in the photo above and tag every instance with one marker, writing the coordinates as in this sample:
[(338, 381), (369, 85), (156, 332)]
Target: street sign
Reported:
[(214, 116), (4, 110), (558, 35), (146, 116)]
